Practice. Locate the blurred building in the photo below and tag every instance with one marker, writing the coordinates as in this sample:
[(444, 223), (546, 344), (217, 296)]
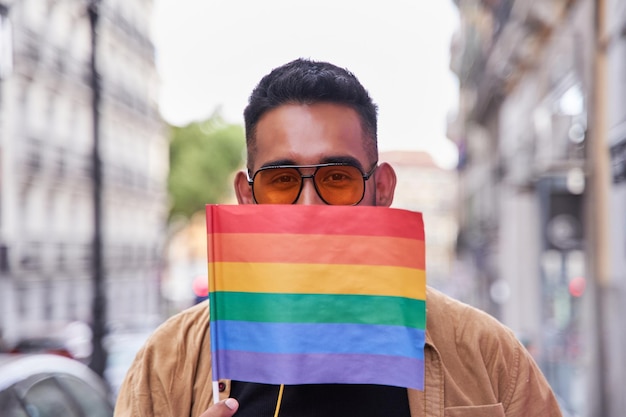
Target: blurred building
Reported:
[(424, 186), (542, 133), (47, 167)]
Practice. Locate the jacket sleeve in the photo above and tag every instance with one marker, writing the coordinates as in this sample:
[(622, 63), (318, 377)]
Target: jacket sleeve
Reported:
[(171, 374), (476, 362), (529, 394)]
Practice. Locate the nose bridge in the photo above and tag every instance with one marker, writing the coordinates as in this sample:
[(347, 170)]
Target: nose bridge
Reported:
[(309, 195)]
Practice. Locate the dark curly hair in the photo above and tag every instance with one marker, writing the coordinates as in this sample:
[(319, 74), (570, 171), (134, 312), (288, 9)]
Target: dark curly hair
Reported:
[(303, 81)]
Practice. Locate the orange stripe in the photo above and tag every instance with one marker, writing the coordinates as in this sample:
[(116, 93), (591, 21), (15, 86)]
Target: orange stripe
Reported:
[(316, 249)]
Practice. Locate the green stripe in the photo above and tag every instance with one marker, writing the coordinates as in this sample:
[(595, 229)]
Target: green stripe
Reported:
[(318, 308)]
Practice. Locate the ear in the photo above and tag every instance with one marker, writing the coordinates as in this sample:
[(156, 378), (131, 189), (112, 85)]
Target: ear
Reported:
[(385, 178), (243, 190)]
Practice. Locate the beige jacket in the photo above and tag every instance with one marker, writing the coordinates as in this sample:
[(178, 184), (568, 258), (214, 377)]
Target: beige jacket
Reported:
[(474, 367)]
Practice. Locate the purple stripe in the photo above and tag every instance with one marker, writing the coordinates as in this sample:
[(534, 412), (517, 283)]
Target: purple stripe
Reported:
[(296, 369)]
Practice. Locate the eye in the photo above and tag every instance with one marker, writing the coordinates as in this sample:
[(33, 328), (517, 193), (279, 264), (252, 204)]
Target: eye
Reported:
[(285, 178), (337, 176), (282, 178)]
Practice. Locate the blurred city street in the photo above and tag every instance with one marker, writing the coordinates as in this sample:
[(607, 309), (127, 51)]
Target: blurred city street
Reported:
[(511, 141)]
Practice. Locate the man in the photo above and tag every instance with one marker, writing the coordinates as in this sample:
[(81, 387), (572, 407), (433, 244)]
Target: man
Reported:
[(302, 117)]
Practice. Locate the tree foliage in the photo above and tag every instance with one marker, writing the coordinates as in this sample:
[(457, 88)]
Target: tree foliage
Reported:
[(203, 157)]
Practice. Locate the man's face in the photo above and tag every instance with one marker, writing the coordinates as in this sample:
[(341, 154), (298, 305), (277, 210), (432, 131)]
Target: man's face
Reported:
[(296, 134)]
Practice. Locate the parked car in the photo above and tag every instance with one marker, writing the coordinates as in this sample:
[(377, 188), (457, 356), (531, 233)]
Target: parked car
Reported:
[(72, 340), (50, 345), (45, 385)]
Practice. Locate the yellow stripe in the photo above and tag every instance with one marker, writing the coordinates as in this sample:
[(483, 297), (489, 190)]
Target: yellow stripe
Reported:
[(319, 279)]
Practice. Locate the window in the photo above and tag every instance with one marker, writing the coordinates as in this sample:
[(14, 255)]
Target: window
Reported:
[(92, 404), (6, 43), (66, 396), (46, 399), (10, 405)]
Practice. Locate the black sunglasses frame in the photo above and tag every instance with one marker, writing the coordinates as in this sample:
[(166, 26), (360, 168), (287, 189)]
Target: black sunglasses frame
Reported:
[(366, 176)]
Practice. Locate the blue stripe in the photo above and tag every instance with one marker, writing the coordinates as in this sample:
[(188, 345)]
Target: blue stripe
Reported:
[(295, 338)]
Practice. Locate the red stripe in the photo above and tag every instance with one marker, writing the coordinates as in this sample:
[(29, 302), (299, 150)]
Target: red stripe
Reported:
[(325, 220)]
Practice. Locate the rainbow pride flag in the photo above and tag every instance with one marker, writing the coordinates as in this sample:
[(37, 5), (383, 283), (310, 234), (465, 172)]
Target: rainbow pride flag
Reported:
[(317, 294)]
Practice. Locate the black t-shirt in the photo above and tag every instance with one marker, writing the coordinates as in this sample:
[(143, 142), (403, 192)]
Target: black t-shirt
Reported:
[(316, 400)]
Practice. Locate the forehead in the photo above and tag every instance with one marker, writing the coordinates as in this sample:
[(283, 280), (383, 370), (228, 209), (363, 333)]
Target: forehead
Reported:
[(309, 134)]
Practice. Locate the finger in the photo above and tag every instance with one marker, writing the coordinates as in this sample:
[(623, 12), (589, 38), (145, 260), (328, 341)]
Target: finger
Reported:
[(224, 408)]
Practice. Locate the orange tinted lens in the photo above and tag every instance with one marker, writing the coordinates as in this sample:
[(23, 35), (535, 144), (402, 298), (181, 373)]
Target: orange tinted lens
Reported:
[(277, 186), (340, 184)]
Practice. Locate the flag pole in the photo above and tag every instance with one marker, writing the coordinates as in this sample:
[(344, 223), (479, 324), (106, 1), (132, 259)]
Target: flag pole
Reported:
[(216, 392), (211, 282)]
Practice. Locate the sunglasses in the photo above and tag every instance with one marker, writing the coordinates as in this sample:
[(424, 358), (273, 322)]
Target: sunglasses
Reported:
[(336, 183)]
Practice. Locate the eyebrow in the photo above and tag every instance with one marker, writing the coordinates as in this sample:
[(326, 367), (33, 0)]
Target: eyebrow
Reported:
[(327, 160)]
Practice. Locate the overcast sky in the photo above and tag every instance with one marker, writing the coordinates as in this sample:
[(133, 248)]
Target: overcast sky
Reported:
[(211, 54)]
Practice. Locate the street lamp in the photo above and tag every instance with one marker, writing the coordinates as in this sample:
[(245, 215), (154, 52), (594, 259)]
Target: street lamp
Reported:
[(99, 356)]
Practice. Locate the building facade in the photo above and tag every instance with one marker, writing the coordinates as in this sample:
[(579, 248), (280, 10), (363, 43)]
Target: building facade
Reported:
[(47, 172), (425, 187), (541, 132)]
